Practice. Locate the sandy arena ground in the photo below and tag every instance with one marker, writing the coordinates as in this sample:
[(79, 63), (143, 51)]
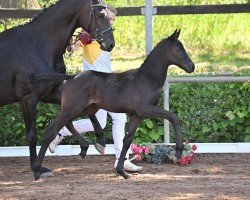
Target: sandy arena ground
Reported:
[(211, 176)]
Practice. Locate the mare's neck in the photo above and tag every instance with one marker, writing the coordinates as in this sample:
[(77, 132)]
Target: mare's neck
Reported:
[(50, 32), (155, 67)]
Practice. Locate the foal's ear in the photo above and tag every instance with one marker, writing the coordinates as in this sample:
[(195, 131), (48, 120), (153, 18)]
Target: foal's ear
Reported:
[(176, 34)]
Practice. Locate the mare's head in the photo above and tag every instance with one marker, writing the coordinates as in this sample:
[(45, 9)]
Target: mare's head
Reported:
[(177, 54), (98, 25)]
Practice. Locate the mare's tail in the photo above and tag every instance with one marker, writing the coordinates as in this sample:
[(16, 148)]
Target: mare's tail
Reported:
[(51, 77)]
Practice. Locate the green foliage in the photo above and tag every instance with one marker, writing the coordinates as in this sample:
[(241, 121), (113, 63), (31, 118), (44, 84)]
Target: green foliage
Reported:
[(12, 129), (20, 4), (240, 115), (205, 111), (149, 131)]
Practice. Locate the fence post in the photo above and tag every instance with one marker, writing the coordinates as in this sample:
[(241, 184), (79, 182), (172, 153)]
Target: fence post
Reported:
[(149, 11), (166, 107)]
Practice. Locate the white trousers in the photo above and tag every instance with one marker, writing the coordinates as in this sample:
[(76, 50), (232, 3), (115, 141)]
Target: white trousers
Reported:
[(118, 127)]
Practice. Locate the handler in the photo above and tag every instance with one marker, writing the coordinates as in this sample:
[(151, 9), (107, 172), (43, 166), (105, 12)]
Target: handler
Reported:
[(98, 60)]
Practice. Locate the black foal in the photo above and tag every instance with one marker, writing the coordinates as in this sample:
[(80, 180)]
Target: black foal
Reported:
[(135, 92)]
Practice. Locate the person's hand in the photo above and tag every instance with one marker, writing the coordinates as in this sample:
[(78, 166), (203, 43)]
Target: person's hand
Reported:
[(69, 49), (85, 38)]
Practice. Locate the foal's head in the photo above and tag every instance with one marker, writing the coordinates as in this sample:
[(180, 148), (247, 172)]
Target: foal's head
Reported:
[(178, 55)]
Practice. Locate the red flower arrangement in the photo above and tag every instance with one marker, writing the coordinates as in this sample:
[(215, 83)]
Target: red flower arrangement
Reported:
[(140, 152), (189, 156), (159, 154)]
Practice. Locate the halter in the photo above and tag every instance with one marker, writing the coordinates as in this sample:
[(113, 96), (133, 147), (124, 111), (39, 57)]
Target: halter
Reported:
[(99, 33)]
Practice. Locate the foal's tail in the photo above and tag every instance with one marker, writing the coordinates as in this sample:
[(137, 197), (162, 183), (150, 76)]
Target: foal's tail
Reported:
[(51, 77)]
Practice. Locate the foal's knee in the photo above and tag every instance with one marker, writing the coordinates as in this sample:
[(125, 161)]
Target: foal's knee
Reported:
[(174, 119)]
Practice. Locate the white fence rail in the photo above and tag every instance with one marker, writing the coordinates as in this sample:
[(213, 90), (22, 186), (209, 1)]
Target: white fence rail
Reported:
[(69, 150)]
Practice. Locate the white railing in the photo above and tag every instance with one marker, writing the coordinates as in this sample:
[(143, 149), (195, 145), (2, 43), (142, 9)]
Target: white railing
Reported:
[(71, 150)]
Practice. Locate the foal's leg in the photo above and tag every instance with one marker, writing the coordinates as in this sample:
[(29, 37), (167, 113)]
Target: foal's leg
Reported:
[(156, 112), (83, 143), (100, 139), (133, 123), (55, 98), (61, 120), (29, 103)]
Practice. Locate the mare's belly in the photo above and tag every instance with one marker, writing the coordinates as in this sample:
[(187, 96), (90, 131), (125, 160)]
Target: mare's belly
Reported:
[(7, 98)]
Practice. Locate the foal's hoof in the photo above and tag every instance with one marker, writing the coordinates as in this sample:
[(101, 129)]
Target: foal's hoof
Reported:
[(100, 148), (45, 172), (82, 154), (124, 174), (41, 172), (37, 175), (175, 160)]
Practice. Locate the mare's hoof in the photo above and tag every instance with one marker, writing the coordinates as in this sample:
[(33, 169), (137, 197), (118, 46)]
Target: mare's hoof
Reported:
[(100, 148), (83, 152)]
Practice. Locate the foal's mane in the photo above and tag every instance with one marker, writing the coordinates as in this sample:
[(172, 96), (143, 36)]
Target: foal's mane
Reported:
[(162, 42)]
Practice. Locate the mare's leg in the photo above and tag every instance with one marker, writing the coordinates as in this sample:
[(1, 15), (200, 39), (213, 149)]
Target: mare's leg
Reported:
[(29, 103), (61, 120), (133, 123), (156, 112), (100, 139), (83, 143), (54, 98)]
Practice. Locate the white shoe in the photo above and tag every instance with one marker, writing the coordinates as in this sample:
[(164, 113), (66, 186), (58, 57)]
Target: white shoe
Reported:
[(129, 166), (55, 142)]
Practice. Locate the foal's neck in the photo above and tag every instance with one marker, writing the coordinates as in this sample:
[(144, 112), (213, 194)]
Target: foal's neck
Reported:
[(156, 64)]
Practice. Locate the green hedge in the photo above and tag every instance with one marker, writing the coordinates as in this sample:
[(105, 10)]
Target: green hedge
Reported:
[(208, 112)]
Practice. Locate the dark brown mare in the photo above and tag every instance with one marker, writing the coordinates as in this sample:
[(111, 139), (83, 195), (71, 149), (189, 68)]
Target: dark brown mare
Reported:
[(135, 92), (38, 47)]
